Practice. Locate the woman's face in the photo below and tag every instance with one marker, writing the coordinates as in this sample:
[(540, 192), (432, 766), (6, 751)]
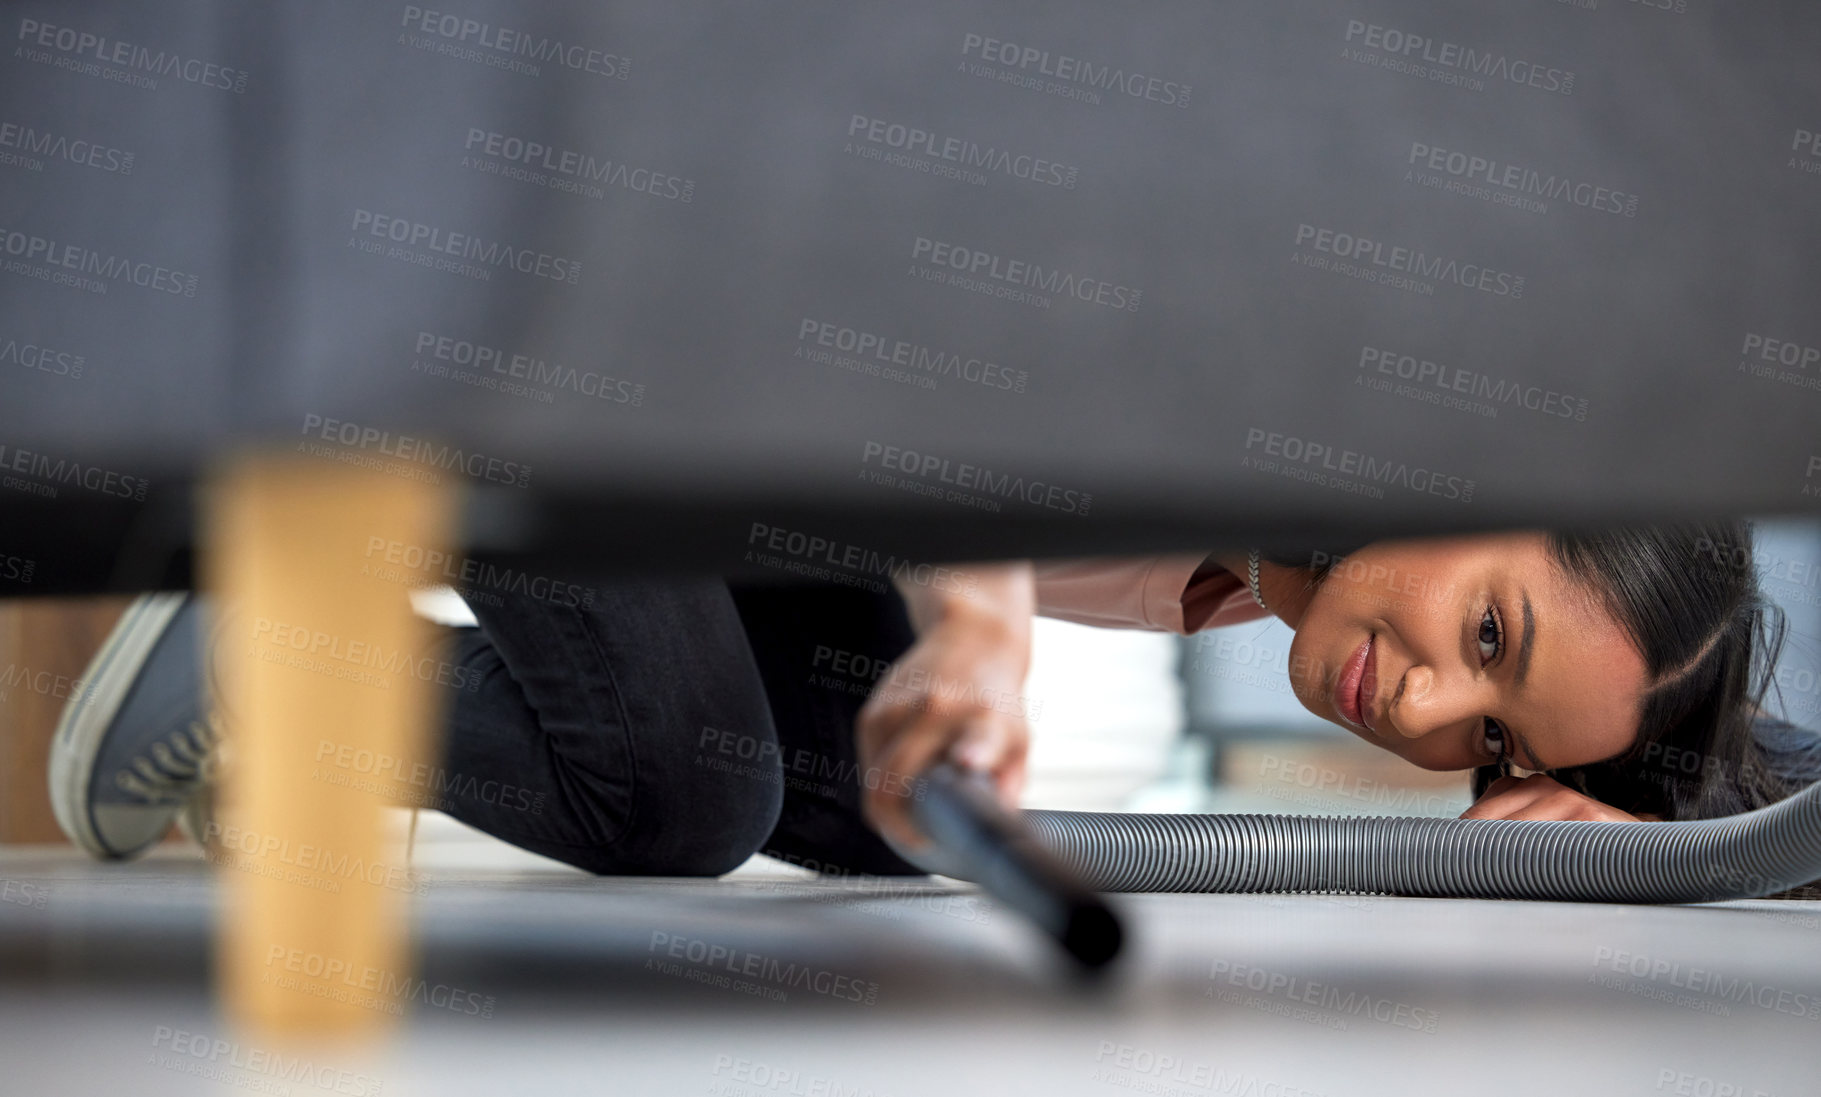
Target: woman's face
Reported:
[(1438, 650)]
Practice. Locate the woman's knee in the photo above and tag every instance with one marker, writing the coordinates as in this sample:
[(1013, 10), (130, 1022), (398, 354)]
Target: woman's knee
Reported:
[(662, 758), (705, 835)]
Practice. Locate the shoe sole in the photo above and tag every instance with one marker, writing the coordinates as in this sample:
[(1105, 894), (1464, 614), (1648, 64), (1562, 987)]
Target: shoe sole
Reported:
[(84, 723)]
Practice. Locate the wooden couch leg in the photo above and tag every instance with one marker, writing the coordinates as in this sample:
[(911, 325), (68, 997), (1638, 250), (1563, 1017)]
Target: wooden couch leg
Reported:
[(318, 692)]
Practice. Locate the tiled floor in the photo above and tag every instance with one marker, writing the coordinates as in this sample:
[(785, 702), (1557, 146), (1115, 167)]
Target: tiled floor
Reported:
[(541, 980)]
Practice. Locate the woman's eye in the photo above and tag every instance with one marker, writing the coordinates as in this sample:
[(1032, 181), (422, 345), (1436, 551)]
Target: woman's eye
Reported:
[(1493, 738), (1490, 637)]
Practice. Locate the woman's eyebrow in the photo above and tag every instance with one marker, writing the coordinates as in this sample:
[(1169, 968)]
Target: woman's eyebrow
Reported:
[(1523, 659), (1529, 760), (1523, 670)]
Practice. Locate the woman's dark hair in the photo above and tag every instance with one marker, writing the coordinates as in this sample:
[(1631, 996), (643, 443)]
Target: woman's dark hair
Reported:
[(1708, 744)]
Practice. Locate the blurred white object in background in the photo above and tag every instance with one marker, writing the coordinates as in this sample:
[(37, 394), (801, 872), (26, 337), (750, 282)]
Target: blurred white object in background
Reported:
[(1107, 713), (443, 606)]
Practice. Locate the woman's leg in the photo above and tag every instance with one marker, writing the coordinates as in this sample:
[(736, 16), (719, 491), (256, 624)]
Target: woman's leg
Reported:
[(584, 738), (820, 648)]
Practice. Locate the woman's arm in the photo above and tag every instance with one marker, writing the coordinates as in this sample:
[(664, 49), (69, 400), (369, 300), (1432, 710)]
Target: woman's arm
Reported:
[(1540, 796), (956, 694)]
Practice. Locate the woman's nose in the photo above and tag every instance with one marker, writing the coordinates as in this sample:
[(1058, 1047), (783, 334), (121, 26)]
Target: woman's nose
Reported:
[(1424, 703)]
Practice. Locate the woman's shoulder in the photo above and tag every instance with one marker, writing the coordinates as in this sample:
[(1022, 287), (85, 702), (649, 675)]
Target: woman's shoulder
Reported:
[(1181, 593)]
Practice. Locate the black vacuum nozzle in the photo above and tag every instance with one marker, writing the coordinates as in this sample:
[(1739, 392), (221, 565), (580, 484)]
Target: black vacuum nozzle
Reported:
[(998, 851)]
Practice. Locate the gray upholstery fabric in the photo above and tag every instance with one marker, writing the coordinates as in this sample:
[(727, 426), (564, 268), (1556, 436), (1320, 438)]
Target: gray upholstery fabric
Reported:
[(972, 266)]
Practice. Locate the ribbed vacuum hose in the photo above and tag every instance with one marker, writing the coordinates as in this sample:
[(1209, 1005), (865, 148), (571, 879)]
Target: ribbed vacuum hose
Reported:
[(1739, 857)]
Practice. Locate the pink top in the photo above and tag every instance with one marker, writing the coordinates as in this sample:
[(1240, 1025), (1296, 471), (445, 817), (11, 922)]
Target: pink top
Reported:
[(1144, 592)]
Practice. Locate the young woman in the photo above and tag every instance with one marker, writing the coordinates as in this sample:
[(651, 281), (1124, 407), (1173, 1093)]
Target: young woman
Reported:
[(677, 727)]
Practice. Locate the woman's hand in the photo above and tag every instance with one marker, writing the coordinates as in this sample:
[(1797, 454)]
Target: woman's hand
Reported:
[(955, 696), (1541, 797)]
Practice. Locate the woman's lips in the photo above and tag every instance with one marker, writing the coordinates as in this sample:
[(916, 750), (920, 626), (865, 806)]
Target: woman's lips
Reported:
[(1358, 681)]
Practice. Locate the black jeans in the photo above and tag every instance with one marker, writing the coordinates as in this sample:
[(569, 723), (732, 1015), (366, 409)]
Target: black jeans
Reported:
[(673, 727)]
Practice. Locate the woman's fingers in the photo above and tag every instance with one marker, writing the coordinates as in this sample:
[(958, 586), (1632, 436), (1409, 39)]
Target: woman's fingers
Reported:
[(1540, 797), (989, 743), (937, 703), (882, 733), (904, 759), (995, 744), (1501, 798), (1010, 777), (878, 723), (889, 803), (982, 743)]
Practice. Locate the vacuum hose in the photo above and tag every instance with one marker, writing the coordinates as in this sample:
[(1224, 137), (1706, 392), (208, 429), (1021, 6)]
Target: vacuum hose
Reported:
[(1744, 856)]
